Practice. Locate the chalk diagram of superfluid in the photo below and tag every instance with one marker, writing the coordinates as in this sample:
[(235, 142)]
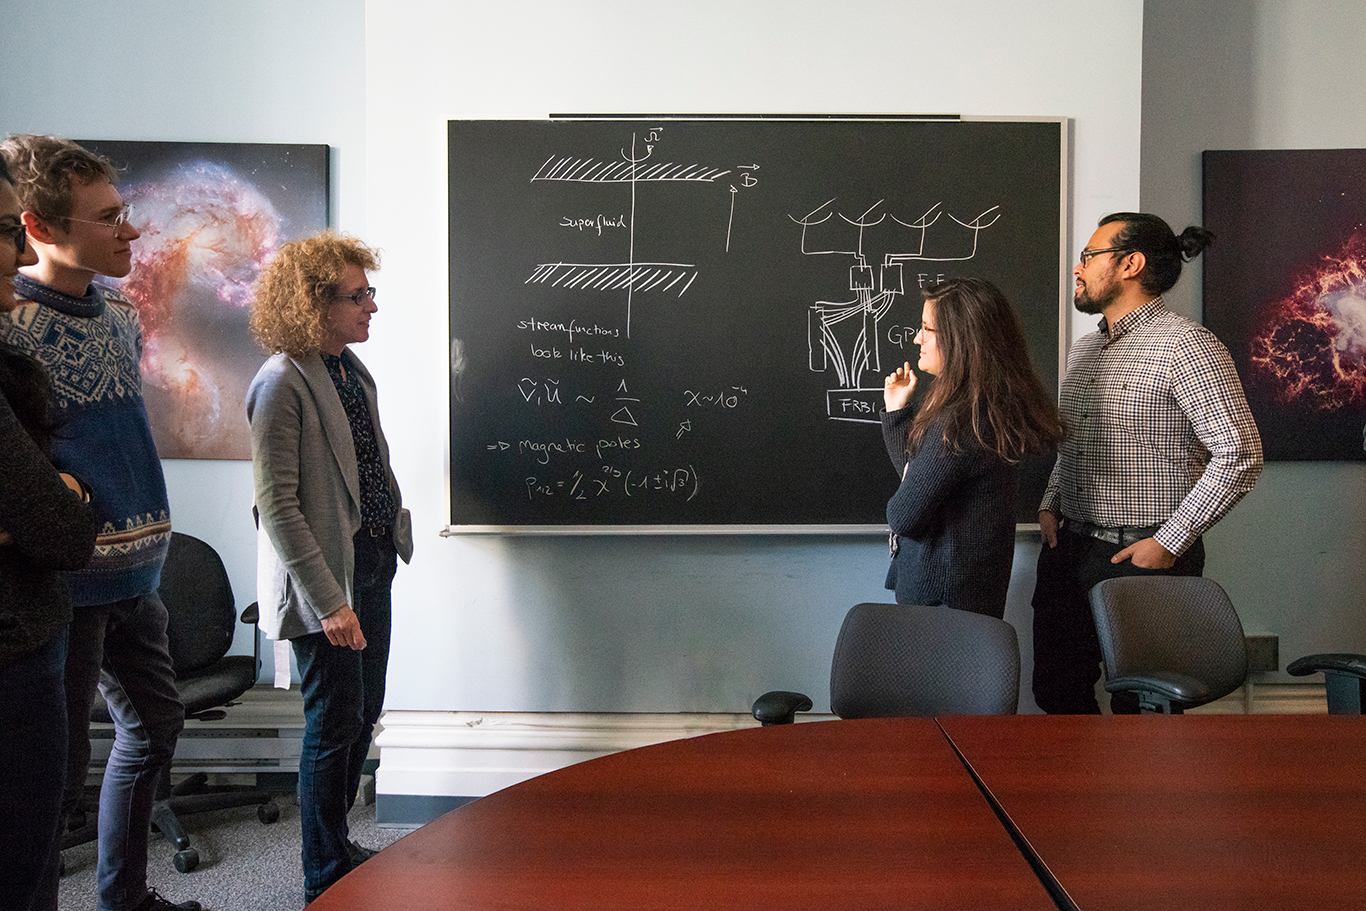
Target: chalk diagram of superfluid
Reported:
[(844, 336), (632, 168)]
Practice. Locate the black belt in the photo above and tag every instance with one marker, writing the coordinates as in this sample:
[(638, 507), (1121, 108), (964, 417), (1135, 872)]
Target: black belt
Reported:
[(1120, 535), (377, 531)]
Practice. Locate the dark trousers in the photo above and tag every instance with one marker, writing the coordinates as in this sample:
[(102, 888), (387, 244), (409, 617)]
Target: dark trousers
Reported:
[(1066, 651), (343, 694), (33, 755), (120, 651)]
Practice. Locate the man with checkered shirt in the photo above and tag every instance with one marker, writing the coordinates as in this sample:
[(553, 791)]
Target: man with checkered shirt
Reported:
[(1160, 446)]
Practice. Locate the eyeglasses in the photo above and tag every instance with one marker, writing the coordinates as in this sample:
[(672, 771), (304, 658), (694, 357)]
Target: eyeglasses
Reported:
[(360, 298), (124, 217), (17, 234), (1087, 254)]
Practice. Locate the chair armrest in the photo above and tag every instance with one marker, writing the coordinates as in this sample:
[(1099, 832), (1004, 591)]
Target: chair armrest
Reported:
[(1175, 687), (1335, 662), (251, 613), (779, 706)]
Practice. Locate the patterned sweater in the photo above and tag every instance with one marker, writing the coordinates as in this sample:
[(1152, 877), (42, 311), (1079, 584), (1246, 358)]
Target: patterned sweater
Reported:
[(91, 346)]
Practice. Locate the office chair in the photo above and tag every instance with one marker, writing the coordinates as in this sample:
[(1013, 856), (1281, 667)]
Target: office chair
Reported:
[(1344, 674), (201, 616), (903, 659), (1174, 641)]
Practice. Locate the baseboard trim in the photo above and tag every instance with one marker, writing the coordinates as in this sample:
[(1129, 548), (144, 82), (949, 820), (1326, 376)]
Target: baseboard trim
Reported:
[(408, 811), (432, 758), (433, 762)]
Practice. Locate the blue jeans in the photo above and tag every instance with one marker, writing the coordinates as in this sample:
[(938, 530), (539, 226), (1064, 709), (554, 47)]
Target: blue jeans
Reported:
[(33, 756), (120, 650), (343, 694)]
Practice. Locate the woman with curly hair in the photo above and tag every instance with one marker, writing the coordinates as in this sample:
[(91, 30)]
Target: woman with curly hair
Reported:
[(331, 522), (953, 517)]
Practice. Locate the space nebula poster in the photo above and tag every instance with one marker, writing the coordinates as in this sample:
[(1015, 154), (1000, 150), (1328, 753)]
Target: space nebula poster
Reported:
[(1285, 289), (211, 216)]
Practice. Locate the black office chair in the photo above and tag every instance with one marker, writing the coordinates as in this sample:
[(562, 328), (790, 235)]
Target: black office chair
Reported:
[(1174, 641), (903, 659), (1344, 674), (201, 618)]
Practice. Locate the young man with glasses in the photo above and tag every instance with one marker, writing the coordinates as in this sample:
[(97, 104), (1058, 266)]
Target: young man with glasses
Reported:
[(88, 337), (1160, 446)]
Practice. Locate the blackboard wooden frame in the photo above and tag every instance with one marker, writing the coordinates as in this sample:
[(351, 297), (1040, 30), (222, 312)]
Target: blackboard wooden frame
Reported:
[(549, 251)]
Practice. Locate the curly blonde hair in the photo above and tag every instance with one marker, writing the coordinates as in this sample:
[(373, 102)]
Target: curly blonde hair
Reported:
[(291, 297)]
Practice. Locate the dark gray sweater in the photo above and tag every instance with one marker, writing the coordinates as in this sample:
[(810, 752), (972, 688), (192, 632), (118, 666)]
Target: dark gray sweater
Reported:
[(954, 517), (50, 528)]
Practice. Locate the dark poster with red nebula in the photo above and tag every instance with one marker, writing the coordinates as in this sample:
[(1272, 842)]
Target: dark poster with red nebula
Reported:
[(1285, 289), (211, 214)]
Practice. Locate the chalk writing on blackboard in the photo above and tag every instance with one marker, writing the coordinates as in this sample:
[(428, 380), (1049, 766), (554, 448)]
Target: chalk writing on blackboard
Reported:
[(631, 167), (845, 336), (685, 323)]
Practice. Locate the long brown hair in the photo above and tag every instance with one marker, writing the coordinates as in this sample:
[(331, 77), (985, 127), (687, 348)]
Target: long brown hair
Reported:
[(987, 386)]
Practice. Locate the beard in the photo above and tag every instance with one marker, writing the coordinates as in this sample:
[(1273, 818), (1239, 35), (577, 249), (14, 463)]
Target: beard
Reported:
[(1095, 302)]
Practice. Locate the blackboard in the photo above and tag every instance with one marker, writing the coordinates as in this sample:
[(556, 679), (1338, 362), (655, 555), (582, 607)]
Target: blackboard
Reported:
[(674, 324)]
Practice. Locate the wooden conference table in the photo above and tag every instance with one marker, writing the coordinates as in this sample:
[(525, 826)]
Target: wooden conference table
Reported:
[(1204, 812)]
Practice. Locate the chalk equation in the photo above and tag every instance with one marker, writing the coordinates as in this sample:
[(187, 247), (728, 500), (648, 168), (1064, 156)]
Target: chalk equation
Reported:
[(844, 336), (632, 167), (611, 481)]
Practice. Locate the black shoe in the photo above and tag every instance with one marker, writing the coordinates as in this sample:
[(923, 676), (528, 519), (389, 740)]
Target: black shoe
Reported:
[(155, 902), (359, 854)]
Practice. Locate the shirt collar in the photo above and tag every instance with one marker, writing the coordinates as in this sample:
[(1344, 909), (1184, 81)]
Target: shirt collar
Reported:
[(1132, 319)]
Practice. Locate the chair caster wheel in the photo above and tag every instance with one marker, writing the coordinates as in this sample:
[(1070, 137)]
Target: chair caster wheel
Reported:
[(186, 860), (268, 813)]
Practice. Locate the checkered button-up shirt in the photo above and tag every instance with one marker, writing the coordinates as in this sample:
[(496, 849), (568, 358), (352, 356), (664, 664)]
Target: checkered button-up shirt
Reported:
[(1159, 429)]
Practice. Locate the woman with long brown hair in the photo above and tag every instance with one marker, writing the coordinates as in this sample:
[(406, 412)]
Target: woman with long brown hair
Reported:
[(953, 516)]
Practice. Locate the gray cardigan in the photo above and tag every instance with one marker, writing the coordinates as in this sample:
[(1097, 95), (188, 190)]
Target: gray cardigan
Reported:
[(303, 465)]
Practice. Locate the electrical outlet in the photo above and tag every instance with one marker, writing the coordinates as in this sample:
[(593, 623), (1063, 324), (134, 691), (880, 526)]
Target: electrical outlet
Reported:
[(1263, 654)]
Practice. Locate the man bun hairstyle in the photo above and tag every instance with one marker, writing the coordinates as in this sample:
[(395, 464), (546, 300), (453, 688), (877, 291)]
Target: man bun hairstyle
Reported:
[(1162, 249)]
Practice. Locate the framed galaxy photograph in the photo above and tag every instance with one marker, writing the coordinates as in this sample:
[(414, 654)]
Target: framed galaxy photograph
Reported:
[(1285, 289), (211, 215)]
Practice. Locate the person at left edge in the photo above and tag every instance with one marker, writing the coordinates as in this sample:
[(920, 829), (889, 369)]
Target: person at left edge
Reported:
[(89, 338), (45, 526), (331, 523), (952, 518)]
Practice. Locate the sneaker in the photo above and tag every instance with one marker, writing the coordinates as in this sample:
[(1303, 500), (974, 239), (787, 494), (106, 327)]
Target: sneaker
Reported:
[(155, 902), (359, 853)]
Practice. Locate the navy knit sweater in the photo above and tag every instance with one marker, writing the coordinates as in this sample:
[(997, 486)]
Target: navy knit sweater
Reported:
[(954, 517), (91, 346)]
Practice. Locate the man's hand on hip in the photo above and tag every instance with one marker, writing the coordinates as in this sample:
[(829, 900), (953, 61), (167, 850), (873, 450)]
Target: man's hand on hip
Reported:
[(1048, 527), (1146, 554)]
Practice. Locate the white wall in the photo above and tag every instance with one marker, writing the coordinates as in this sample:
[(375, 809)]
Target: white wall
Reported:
[(1265, 74), (248, 71), (669, 624), (563, 624)]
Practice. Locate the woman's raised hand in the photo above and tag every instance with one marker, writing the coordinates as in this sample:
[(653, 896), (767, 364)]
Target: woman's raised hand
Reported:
[(897, 388)]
